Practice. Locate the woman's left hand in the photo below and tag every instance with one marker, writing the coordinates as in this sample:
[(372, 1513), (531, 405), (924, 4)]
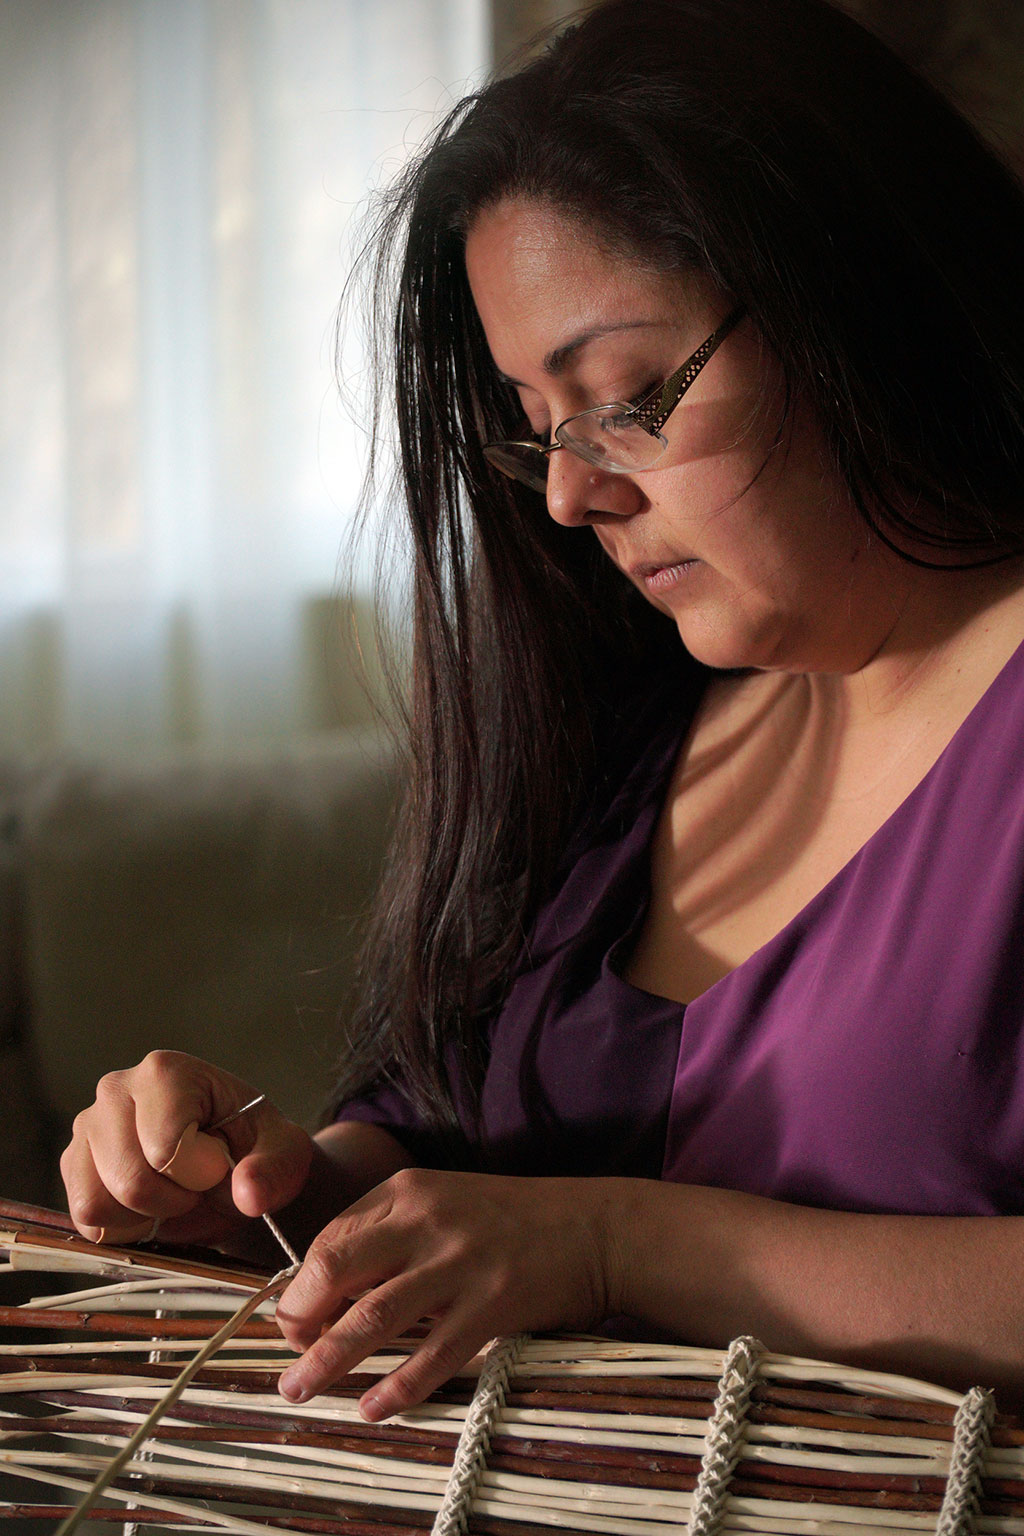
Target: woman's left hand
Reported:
[(477, 1255)]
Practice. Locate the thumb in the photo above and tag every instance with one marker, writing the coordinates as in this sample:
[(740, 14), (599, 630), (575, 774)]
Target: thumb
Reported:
[(198, 1162), (274, 1172)]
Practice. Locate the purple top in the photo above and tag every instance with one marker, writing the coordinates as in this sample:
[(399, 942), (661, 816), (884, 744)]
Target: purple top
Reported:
[(868, 1057)]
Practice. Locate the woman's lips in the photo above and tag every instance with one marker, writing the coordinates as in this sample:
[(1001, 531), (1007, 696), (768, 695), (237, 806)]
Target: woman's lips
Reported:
[(659, 578)]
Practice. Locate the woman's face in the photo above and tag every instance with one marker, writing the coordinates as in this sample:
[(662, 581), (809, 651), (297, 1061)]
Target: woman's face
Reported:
[(760, 564)]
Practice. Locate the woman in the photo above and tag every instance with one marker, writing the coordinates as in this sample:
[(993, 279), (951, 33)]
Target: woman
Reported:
[(695, 991)]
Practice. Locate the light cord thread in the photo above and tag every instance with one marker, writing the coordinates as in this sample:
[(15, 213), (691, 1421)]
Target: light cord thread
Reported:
[(724, 1440), (470, 1459), (971, 1439)]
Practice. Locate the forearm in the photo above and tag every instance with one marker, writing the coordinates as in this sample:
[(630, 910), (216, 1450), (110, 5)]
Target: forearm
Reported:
[(928, 1296)]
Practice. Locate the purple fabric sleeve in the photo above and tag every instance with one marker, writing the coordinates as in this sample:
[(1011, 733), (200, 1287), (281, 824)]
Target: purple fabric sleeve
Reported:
[(385, 1105)]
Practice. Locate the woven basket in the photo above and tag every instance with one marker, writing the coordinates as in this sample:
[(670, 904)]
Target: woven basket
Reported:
[(574, 1434)]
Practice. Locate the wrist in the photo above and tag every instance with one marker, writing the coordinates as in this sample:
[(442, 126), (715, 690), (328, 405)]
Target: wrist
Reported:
[(622, 1222), (684, 1257)]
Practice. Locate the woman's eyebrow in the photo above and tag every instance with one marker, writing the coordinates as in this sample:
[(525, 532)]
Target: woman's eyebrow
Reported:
[(556, 361)]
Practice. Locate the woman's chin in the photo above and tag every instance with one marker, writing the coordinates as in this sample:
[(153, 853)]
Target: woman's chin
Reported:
[(728, 648)]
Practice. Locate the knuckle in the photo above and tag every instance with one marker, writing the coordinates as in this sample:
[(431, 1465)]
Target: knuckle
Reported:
[(87, 1210), (133, 1187), (411, 1181), (435, 1363), (80, 1126), (110, 1086), (446, 1356), (374, 1315), (418, 1192), (159, 1064), (323, 1264)]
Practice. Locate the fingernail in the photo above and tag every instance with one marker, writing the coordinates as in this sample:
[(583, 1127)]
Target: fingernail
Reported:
[(190, 1129), (373, 1408), (198, 1162), (292, 1388)]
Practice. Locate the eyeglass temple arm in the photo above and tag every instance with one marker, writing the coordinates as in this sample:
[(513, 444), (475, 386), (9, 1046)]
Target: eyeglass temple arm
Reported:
[(525, 442), (652, 413)]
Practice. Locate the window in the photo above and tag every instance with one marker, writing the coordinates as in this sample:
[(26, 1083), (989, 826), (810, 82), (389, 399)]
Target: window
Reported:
[(177, 474)]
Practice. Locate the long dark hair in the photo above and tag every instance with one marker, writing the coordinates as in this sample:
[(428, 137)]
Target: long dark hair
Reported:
[(875, 243)]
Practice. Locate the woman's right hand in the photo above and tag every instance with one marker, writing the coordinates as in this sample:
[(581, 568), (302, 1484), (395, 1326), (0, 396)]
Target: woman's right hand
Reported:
[(139, 1155)]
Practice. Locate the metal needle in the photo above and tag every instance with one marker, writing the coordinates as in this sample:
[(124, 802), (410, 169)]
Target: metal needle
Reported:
[(271, 1223), (236, 1113)]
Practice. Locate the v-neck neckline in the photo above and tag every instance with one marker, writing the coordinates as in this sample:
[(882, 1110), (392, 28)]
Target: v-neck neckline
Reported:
[(825, 894)]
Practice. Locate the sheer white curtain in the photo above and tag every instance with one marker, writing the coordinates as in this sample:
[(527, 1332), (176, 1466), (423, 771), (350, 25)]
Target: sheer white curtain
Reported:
[(176, 475)]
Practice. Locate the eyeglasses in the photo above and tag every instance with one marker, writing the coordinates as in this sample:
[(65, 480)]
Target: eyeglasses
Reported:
[(618, 437)]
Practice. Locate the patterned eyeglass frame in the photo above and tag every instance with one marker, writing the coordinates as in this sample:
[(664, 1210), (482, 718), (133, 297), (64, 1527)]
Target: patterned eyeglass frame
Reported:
[(655, 409)]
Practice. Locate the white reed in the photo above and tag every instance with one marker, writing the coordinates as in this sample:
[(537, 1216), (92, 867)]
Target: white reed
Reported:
[(377, 1474)]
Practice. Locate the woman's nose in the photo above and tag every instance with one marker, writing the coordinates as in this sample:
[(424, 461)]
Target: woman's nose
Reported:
[(578, 492)]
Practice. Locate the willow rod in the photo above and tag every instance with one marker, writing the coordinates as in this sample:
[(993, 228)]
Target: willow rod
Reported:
[(542, 1459), (886, 1409), (392, 1493), (756, 1478), (751, 1478), (628, 1396), (111, 1470), (149, 1516), (265, 1378), (553, 1458), (204, 1413), (750, 1486), (128, 1258), (136, 1327), (785, 1453), (659, 1432)]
